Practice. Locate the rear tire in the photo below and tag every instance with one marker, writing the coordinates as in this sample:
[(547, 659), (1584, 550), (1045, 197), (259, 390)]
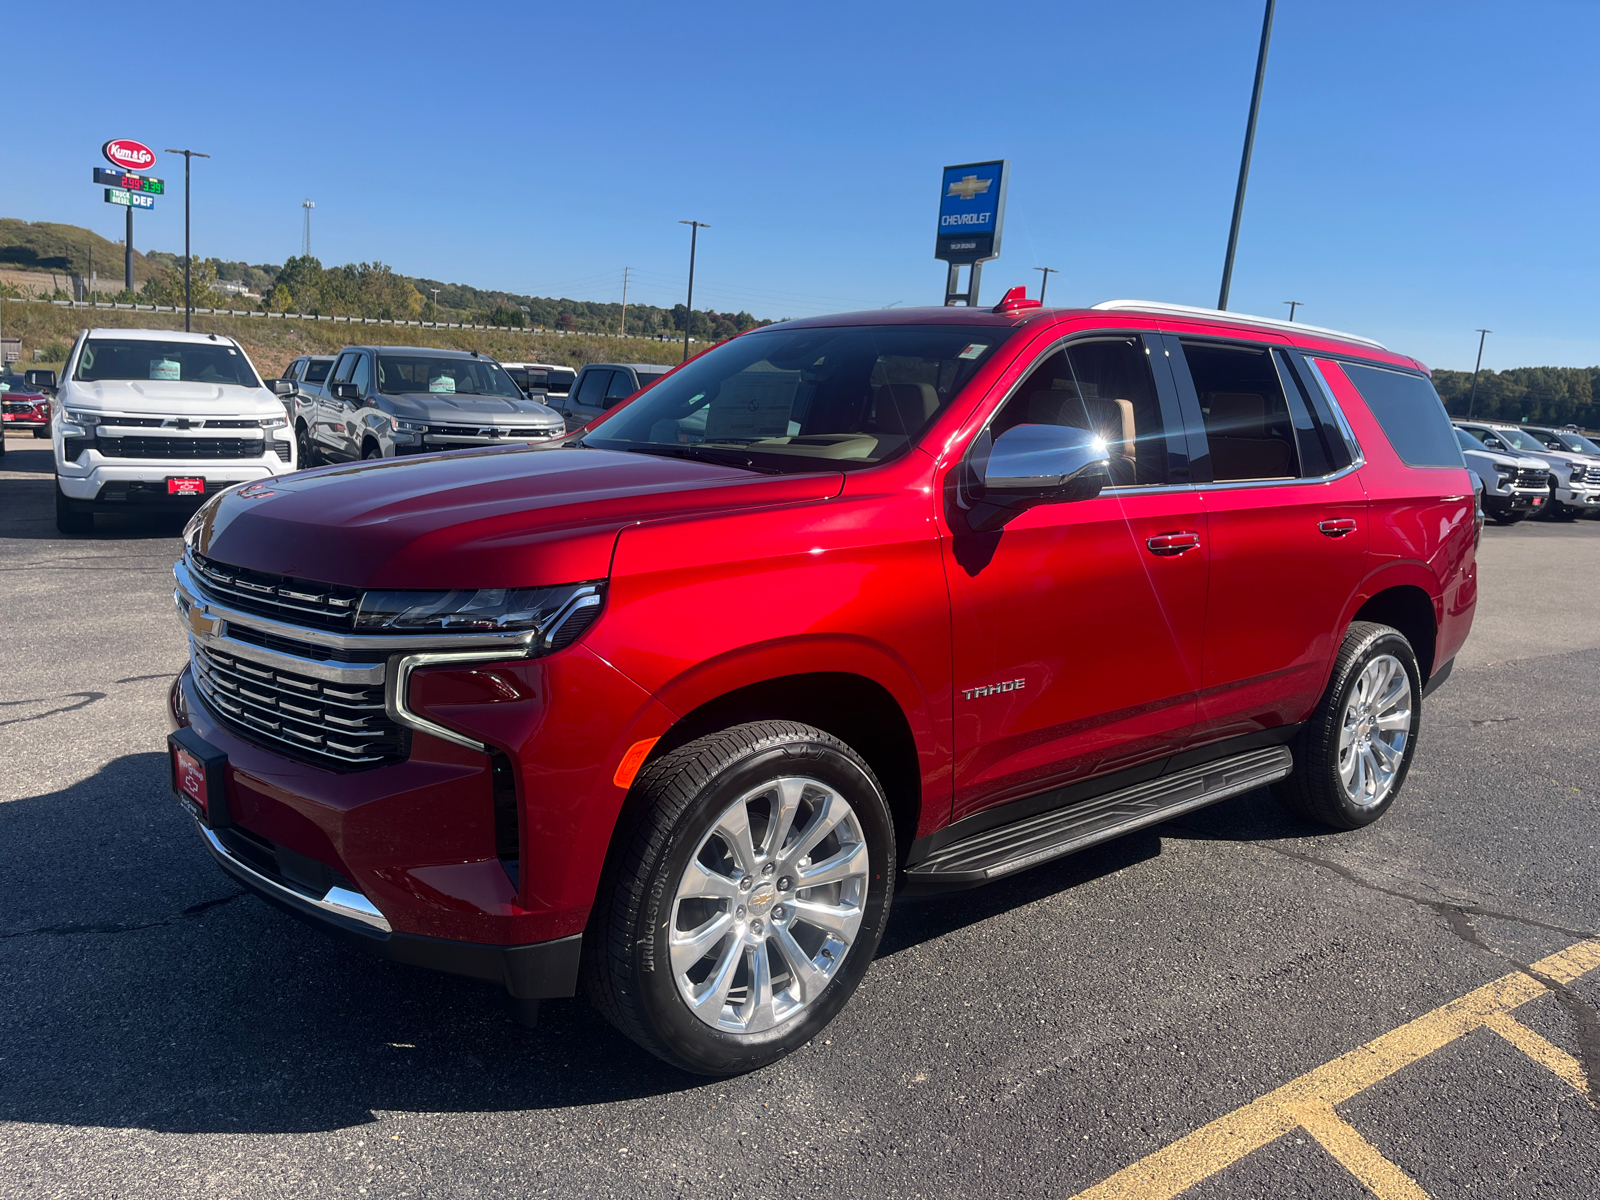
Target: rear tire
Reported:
[(1352, 756), (70, 519), (729, 826)]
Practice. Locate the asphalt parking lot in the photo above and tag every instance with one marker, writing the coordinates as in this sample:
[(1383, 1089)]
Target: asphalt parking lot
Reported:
[(1233, 1004)]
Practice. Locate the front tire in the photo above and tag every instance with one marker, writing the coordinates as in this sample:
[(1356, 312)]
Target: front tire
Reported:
[(1352, 756), (70, 519), (748, 902), (305, 456)]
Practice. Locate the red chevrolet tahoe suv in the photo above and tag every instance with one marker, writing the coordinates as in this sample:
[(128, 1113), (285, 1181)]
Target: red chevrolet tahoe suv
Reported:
[(897, 600)]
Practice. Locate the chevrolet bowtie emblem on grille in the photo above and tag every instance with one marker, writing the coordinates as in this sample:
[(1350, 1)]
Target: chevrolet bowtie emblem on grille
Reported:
[(203, 622), (969, 186), (182, 423)]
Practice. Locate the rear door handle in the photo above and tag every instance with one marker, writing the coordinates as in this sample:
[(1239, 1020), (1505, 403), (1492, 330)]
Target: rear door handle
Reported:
[(1169, 545), (1337, 528)]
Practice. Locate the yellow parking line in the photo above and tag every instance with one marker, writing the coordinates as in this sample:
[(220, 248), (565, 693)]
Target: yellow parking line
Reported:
[(1209, 1149), (1357, 1155), (1541, 1051)]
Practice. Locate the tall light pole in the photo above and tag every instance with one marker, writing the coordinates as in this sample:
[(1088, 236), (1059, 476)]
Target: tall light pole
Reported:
[(1244, 161), (305, 241), (688, 321), (1294, 304), (1044, 279), (1472, 397), (187, 155), (626, 271)]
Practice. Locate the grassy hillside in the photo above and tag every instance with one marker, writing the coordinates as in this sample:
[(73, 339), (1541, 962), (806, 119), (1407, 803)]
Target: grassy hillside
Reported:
[(272, 343), (43, 246)]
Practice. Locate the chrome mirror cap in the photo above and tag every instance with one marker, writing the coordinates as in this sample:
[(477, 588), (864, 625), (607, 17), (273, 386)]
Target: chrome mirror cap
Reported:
[(1045, 459)]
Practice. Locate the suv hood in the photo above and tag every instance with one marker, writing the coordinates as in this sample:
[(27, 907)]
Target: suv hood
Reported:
[(498, 517), (1517, 462), (485, 410), (170, 398)]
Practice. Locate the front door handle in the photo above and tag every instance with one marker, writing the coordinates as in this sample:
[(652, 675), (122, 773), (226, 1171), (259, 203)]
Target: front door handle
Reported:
[(1170, 545), (1337, 528)]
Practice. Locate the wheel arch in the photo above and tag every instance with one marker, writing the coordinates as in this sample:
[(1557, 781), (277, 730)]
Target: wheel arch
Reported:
[(1409, 608)]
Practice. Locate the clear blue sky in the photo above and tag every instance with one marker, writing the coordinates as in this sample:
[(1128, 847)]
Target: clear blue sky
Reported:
[(1421, 169)]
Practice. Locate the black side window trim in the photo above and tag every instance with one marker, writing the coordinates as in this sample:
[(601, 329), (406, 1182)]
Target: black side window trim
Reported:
[(1302, 392)]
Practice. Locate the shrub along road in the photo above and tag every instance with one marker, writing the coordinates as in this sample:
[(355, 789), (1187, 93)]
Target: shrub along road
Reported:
[(163, 1034)]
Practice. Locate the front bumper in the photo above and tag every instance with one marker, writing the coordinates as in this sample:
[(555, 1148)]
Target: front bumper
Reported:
[(540, 971), (1514, 500), (106, 480)]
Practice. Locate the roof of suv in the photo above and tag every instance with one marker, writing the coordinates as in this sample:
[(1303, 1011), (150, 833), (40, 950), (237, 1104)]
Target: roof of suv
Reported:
[(663, 367), (162, 335)]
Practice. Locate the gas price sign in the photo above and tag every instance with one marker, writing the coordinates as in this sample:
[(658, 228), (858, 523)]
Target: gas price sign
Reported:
[(130, 182)]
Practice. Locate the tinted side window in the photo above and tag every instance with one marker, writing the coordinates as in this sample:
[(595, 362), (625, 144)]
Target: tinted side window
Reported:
[(1322, 450), (316, 372), (1102, 384), (592, 388), (1248, 425), (342, 369), (622, 386), (361, 373), (296, 369), (1411, 414)]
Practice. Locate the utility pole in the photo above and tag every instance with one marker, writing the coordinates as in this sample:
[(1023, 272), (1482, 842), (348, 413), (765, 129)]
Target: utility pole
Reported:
[(1244, 161), (1044, 280), (1294, 304), (1472, 396), (435, 292), (305, 242), (688, 321), (625, 271), (187, 155)]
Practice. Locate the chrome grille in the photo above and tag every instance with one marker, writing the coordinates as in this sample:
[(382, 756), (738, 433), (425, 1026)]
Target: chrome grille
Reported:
[(329, 606), (333, 724), (1582, 473), (1531, 477)]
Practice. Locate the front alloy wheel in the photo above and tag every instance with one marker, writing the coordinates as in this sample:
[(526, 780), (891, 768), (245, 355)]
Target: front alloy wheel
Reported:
[(746, 904), (769, 906)]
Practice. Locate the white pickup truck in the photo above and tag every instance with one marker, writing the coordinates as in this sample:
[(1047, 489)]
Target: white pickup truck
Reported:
[(155, 420)]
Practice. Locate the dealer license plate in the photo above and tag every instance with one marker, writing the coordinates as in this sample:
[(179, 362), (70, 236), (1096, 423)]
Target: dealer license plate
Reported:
[(179, 486)]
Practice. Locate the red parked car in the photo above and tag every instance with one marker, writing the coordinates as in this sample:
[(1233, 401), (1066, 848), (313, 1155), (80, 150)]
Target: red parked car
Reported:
[(25, 404), (904, 599)]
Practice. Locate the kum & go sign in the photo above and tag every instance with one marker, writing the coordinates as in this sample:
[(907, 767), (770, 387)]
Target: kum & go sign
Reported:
[(128, 154)]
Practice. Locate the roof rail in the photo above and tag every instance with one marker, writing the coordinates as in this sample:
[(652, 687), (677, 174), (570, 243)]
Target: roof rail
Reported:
[(1188, 310)]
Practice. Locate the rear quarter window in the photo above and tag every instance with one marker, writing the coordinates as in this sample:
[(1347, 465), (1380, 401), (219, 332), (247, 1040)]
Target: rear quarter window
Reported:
[(1411, 414)]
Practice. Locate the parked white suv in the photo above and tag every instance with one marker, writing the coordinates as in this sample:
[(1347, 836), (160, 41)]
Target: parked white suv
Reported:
[(153, 420)]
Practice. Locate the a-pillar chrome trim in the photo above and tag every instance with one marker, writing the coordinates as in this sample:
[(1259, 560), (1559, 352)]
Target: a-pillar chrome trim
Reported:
[(336, 902)]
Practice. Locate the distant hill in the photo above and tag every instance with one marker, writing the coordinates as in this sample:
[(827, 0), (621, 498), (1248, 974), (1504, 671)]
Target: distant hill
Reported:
[(355, 289), (45, 246)]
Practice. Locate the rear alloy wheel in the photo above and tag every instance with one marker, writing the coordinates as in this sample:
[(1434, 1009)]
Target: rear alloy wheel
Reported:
[(70, 519), (751, 900), (1352, 756)]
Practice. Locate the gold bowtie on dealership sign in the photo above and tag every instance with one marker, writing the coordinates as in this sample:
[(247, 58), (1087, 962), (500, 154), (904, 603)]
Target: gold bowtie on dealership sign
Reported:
[(969, 186)]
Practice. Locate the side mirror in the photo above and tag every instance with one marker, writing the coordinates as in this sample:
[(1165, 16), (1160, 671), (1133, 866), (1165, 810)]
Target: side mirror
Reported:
[(346, 391), (44, 380), (283, 387), (1032, 464)]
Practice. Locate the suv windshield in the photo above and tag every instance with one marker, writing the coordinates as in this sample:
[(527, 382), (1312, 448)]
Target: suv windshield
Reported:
[(1576, 442), (402, 373), (1520, 438), (139, 358), (804, 399)]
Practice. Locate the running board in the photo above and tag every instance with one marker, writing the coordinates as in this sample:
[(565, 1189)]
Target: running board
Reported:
[(995, 853)]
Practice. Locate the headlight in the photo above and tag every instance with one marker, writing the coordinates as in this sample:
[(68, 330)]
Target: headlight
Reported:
[(274, 422), (409, 426), (82, 417), (484, 610)]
